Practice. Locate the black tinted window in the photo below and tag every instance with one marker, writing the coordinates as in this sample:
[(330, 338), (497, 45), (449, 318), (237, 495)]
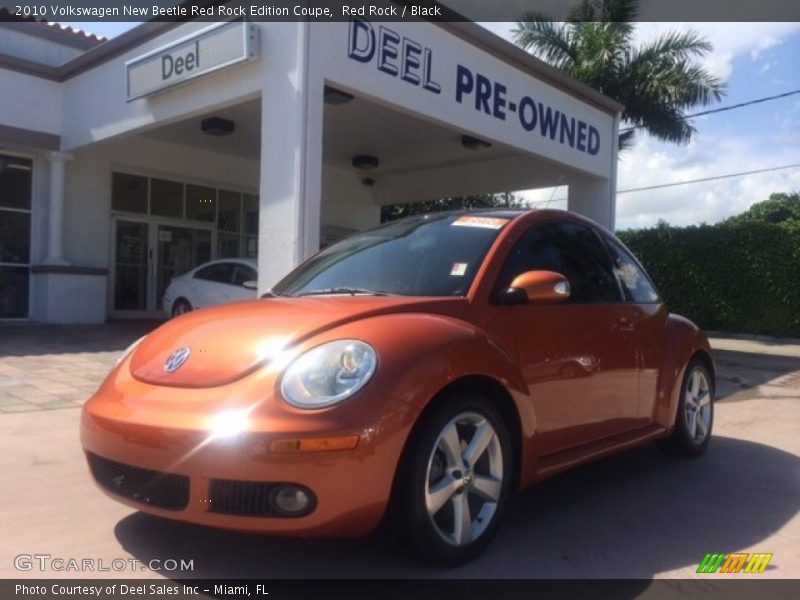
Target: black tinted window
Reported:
[(574, 251), (220, 273), (633, 282), (243, 273)]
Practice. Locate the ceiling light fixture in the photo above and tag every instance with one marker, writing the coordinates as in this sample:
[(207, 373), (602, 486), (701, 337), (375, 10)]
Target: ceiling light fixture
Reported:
[(365, 162), (474, 143), (217, 126)]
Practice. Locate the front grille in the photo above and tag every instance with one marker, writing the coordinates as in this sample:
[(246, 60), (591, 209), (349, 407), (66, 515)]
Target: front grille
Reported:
[(154, 488), (246, 498), (250, 498)]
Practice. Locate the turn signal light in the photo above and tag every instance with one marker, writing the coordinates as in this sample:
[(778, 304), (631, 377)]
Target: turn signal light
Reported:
[(347, 442)]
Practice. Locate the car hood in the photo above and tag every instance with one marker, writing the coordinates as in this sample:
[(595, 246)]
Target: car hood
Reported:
[(227, 342)]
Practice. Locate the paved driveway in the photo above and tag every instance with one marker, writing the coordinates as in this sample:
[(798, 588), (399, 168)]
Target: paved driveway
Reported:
[(639, 514), (46, 367)]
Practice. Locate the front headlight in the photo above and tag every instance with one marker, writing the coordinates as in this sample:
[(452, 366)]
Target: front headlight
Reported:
[(328, 374)]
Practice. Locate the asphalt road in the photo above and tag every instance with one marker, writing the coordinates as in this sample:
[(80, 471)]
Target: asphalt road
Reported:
[(636, 515)]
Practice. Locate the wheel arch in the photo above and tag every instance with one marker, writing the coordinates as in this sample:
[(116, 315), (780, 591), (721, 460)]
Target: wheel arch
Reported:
[(494, 391), (705, 357), (180, 298), (684, 343)]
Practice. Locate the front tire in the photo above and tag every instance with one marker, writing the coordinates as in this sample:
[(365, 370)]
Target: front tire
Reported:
[(695, 417), (455, 481), (181, 307)]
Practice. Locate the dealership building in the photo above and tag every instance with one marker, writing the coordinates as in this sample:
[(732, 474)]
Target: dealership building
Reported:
[(124, 163)]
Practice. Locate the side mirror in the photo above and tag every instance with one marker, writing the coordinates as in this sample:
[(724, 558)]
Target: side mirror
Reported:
[(537, 287), (252, 284)]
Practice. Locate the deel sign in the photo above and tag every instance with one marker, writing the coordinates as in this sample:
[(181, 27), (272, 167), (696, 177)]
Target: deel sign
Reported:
[(180, 63)]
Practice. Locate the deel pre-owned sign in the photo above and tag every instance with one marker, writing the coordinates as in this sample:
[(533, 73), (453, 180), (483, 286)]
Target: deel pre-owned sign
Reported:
[(211, 49)]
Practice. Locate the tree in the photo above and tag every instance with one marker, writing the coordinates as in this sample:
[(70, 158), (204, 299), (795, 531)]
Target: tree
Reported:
[(656, 82), (398, 211), (779, 208)]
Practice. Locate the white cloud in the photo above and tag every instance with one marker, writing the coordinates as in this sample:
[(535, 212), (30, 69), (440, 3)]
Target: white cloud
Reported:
[(728, 39), (653, 162)]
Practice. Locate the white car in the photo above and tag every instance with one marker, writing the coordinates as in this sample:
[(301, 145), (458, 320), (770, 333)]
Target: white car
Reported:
[(215, 282)]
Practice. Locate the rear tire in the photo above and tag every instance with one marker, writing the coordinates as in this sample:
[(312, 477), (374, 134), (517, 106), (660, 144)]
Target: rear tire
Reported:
[(695, 416), (454, 481), (181, 307)]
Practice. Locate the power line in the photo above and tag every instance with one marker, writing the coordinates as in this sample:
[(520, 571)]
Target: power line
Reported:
[(725, 108), (714, 178), (687, 182)]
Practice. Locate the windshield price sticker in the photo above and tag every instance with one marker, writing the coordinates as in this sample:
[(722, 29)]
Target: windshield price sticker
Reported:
[(483, 222)]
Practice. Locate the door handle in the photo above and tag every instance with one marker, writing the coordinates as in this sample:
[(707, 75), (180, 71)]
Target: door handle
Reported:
[(625, 325)]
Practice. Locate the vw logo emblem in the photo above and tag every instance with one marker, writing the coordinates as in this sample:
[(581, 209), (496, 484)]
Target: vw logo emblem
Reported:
[(176, 359)]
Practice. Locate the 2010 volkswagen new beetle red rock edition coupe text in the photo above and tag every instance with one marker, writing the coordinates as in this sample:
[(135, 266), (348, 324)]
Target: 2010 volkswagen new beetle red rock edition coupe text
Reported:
[(421, 371)]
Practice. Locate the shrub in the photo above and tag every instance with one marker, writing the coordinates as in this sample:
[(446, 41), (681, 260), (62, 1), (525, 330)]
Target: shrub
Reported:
[(738, 276)]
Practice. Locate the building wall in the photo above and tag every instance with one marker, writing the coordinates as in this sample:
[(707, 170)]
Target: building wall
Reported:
[(347, 204), (88, 215), (19, 42), (95, 117), (42, 106)]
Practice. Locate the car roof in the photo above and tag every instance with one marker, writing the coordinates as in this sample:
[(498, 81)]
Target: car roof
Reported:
[(250, 262), (502, 213), (512, 214)]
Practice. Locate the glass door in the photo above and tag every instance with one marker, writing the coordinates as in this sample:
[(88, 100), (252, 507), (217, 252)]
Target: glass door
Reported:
[(179, 249), (131, 266), (147, 255)]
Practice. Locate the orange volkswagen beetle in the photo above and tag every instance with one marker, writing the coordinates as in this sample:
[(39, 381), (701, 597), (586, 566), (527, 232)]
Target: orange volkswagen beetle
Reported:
[(423, 370)]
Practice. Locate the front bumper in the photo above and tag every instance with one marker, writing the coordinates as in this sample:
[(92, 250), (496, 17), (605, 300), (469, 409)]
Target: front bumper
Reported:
[(188, 468)]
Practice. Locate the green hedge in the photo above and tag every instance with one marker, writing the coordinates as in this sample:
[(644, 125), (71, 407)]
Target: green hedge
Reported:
[(735, 277)]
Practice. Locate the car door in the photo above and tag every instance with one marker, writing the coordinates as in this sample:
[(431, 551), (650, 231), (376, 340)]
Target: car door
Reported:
[(212, 284), (646, 316), (241, 274), (577, 357)]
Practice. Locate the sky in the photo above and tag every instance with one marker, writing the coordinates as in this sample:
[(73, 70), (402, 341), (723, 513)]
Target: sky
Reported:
[(756, 60)]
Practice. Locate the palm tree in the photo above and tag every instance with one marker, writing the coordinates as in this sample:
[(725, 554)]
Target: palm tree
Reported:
[(657, 82)]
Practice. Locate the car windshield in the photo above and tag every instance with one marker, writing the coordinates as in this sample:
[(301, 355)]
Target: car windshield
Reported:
[(419, 256)]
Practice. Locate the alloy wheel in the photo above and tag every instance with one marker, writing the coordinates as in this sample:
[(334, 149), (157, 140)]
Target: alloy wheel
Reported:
[(697, 406), (464, 479)]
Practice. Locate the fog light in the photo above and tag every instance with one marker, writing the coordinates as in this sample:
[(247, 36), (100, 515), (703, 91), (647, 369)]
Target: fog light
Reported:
[(291, 500)]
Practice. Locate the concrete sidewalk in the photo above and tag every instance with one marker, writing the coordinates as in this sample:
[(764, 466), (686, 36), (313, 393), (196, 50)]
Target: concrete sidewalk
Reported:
[(762, 345)]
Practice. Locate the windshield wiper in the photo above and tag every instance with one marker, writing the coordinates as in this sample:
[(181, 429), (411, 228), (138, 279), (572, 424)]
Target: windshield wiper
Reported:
[(343, 290), (271, 294)]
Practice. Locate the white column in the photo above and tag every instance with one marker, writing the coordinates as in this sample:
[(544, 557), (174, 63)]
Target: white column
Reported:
[(291, 156), (55, 223), (592, 197)]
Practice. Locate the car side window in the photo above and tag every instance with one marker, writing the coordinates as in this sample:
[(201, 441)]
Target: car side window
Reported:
[(243, 273), (574, 251), (635, 285), (218, 273)]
